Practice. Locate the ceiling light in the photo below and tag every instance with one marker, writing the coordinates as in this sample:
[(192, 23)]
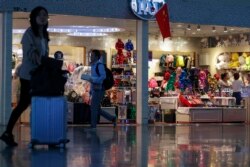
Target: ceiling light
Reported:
[(213, 29), (198, 27), (225, 29), (85, 29), (188, 27), (87, 34)]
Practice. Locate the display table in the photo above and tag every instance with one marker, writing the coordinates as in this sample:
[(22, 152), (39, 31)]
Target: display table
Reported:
[(166, 104), (234, 115), (199, 114), (210, 114), (169, 102), (225, 101)]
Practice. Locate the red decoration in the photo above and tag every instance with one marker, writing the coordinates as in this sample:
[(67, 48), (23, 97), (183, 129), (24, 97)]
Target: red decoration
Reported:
[(119, 46), (217, 77), (167, 76), (162, 19)]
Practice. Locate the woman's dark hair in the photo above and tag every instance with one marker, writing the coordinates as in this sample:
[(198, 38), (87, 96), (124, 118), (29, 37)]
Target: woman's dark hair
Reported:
[(34, 26), (223, 75), (236, 76), (96, 53)]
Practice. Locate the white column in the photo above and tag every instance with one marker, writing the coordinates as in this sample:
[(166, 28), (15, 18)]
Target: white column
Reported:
[(5, 65), (142, 72)]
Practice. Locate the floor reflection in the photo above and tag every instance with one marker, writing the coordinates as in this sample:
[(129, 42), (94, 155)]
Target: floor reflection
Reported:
[(201, 145)]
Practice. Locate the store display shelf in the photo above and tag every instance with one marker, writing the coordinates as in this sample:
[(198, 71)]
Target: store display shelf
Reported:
[(123, 87), (127, 121), (123, 65), (123, 76), (210, 114), (234, 115)]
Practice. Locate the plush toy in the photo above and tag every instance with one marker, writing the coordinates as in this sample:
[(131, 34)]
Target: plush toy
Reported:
[(183, 80), (247, 65), (178, 73), (202, 79), (119, 47), (212, 83), (234, 63), (129, 47), (152, 83), (170, 60), (170, 85), (217, 76), (180, 61), (242, 61), (221, 62), (166, 76)]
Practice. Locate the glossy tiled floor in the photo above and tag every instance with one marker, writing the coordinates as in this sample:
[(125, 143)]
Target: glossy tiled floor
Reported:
[(204, 145)]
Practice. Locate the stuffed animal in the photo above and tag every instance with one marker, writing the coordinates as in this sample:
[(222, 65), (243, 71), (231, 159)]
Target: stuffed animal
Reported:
[(234, 63), (180, 61), (221, 62), (247, 65), (242, 61), (152, 83), (202, 79), (170, 60)]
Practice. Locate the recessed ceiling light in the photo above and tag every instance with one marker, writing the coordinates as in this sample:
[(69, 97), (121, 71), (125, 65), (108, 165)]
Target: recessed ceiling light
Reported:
[(85, 29), (179, 25), (87, 34)]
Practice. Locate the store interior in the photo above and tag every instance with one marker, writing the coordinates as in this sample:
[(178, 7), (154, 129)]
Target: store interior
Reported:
[(212, 48)]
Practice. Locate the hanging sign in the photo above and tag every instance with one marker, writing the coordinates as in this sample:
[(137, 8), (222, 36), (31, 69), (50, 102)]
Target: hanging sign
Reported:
[(146, 9)]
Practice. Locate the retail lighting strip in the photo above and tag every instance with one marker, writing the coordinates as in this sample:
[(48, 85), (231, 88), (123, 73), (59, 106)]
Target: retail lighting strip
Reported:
[(85, 31)]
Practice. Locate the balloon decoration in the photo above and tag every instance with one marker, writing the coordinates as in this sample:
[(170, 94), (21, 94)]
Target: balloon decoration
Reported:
[(119, 47), (129, 47)]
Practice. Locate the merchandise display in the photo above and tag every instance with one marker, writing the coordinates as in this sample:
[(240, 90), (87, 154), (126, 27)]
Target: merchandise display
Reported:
[(177, 80), (122, 94), (194, 94)]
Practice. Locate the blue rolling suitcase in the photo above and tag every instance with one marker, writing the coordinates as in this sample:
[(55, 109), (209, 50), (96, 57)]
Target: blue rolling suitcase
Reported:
[(48, 121)]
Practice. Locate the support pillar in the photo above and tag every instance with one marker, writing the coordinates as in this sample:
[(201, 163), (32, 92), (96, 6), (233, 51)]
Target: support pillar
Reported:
[(5, 65), (142, 72)]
